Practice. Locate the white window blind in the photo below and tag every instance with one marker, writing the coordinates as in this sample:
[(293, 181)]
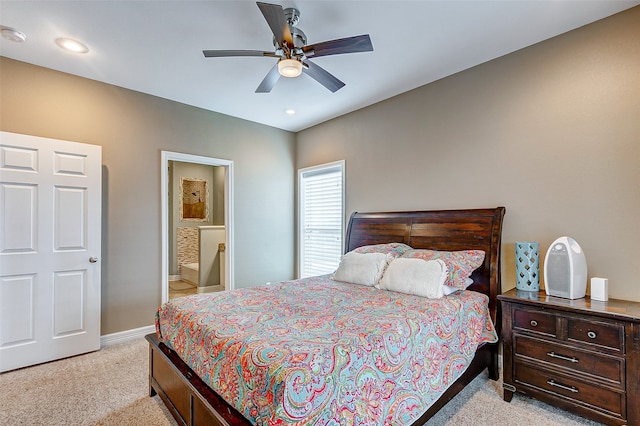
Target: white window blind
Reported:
[(321, 218)]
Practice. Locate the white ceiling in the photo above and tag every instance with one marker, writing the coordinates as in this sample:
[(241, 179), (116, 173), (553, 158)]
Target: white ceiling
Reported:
[(155, 47)]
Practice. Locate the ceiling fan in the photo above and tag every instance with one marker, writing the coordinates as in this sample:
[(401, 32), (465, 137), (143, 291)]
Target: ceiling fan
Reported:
[(292, 50)]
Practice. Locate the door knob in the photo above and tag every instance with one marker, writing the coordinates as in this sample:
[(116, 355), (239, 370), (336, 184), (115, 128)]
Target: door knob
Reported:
[(93, 259)]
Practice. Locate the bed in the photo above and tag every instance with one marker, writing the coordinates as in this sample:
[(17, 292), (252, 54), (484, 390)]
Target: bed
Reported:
[(186, 387)]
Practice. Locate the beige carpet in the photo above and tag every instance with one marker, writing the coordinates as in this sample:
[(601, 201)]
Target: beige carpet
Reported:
[(109, 387)]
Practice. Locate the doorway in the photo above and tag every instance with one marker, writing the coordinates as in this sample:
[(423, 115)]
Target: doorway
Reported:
[(166, 158)]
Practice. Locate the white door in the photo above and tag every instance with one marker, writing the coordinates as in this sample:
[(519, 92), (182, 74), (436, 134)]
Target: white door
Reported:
[(50, 223)]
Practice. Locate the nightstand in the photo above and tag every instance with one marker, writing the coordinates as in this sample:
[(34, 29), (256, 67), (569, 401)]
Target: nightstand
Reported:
[(579, 355)]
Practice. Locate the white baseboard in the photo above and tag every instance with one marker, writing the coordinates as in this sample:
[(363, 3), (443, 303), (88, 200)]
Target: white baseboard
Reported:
[(125, 336), (210, 288)]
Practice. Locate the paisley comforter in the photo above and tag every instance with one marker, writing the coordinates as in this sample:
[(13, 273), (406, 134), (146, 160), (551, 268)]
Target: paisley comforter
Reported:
[(321, 352)]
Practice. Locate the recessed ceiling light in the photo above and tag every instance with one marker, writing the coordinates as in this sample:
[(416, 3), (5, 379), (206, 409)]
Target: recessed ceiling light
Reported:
[(13, 34), (289, 111), (72, 45)]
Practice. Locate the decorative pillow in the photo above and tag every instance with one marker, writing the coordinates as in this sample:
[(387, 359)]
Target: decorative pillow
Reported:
[(460, 264), (361, 268), (394, 249), (424, 278), (450, 290)]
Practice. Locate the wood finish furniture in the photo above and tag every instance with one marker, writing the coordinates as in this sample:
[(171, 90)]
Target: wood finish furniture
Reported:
[(192, 402), (580, 355)]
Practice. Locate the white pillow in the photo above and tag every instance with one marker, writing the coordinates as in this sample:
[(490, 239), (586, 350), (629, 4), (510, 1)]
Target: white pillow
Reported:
[(419, 277), (361, 268)]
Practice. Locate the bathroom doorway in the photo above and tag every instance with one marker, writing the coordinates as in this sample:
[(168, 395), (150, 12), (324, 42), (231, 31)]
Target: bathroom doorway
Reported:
[(211, 207)]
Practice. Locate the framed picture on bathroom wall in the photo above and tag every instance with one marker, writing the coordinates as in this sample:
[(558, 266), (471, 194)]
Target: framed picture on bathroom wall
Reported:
[(194, 206)]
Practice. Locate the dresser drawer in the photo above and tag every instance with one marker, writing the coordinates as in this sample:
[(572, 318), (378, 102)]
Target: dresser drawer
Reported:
[(608, 400), (535, 321), (595, 333), (608, 368)]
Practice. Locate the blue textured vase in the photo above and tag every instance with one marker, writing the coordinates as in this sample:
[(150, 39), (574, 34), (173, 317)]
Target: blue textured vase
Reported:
[(527, 266)]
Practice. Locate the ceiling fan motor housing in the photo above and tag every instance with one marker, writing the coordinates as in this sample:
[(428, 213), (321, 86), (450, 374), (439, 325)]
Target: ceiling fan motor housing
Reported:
[(292, 17)]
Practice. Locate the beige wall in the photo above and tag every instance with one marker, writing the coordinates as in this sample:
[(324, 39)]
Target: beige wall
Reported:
[(133, 128), (552, 132)]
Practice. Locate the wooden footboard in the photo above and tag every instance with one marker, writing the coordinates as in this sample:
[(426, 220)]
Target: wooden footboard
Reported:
[(188, 398)]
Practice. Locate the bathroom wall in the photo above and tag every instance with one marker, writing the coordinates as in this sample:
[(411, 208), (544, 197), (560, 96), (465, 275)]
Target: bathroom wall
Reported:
[(210, 259), (215, 199)]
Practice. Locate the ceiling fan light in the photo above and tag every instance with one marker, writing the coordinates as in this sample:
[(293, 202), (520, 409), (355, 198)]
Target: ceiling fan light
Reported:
[(289, 67)]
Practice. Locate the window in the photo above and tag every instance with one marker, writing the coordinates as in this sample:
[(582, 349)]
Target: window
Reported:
[(320, 218)]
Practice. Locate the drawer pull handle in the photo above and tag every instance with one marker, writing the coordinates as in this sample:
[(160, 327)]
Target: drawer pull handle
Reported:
[(563, 357), (534, 323), (561, 386), (591, 334)]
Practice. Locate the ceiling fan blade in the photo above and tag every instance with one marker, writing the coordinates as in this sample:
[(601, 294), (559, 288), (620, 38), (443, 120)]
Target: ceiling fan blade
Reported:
[(269, 80), (361, 43), (226, 53), (322, 76), (274, 14)]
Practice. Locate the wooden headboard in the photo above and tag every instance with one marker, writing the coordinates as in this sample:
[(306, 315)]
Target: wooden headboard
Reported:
[(450, 230)]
